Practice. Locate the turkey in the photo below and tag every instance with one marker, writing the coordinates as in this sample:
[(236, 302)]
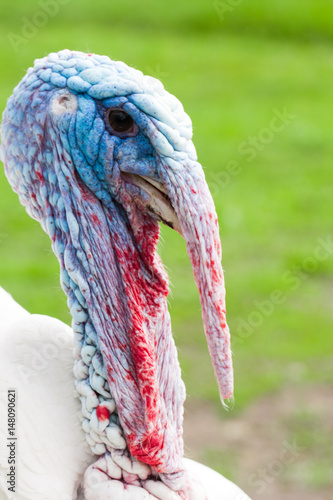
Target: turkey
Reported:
[(99, 154)]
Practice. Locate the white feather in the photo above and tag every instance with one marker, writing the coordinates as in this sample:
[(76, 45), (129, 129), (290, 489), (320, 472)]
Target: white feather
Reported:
[(36, 359)]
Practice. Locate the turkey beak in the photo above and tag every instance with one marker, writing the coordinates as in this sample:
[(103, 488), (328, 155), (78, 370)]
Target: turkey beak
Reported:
[(158, 203), (194, 207)]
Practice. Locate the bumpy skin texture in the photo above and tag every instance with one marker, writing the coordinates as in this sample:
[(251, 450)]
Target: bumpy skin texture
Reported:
[(68, 170)]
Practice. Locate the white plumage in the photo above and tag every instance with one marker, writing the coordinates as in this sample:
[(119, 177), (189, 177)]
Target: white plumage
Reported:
[(36, 359)]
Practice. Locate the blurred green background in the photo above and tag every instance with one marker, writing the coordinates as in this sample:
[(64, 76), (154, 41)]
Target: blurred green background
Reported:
[(256, 79)]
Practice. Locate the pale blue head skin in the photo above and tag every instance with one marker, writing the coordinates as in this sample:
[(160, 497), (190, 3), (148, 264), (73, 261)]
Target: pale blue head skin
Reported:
[(68, 167), (98, 84)]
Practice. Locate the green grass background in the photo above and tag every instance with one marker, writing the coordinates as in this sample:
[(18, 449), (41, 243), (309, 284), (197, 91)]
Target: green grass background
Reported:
[(231, 72)]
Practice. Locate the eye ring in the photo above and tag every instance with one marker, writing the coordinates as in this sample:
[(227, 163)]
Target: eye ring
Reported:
[(121, 123)]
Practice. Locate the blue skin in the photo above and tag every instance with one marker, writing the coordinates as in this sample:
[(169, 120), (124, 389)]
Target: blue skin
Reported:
[(94, 149), (99, 84), (43, 151), (55, 158)]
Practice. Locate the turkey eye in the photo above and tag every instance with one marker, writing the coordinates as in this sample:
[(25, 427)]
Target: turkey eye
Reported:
[(121, 123)]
